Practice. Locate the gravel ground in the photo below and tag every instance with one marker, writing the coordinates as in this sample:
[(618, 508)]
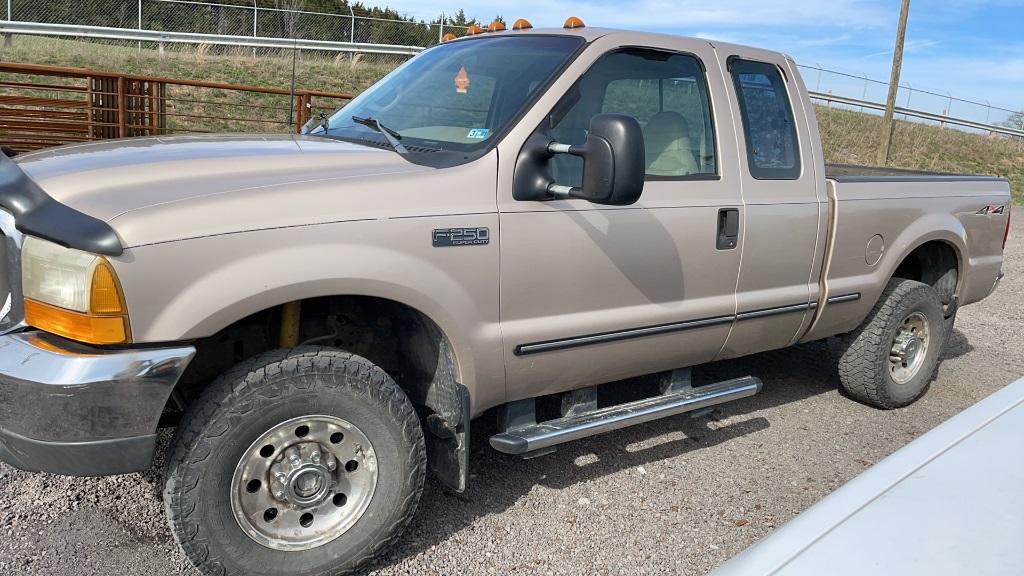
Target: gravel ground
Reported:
[(678, 496)]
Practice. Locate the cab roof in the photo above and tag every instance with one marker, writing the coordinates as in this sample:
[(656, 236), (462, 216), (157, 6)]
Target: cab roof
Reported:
[(591, 34)]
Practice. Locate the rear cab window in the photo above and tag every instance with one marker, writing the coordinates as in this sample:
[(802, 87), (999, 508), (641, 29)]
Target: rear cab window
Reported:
[(773, 151)]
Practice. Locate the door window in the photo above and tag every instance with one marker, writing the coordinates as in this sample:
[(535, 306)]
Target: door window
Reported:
[(667, 94), (772, 151)]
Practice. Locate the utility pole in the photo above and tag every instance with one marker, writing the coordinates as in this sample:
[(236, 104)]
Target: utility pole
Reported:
[(894, 86)]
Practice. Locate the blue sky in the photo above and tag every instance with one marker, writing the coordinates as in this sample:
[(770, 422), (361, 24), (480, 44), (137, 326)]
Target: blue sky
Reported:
[(972, 49)]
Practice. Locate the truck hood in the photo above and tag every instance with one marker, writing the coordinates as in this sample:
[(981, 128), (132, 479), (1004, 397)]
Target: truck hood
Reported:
[(250, 180)]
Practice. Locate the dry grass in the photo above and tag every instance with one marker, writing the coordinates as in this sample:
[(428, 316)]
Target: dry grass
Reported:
[(205, 109), (848, 136), (263, 67)]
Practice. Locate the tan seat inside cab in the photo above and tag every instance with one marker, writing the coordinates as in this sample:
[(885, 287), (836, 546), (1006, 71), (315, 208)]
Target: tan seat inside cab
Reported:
[(667, 146)]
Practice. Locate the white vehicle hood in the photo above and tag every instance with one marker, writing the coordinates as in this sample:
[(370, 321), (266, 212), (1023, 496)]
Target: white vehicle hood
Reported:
[(949, 503)]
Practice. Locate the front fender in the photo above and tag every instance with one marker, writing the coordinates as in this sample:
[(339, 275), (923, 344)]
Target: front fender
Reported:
[(194, 288)]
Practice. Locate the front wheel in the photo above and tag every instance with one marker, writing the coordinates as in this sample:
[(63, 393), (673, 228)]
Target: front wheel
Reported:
[(297, 462), (890, 359)]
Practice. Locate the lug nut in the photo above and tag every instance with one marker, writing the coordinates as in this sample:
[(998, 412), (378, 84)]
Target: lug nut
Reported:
[(277, 490)]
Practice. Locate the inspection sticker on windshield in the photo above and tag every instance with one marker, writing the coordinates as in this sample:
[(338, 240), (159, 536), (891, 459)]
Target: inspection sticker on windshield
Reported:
[(478, 133)]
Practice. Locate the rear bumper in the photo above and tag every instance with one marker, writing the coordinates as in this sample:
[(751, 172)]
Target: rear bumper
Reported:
[(71, 409)]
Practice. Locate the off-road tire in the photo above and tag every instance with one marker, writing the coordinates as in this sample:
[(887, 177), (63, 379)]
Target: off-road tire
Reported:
[(260, 393), (864, 371)]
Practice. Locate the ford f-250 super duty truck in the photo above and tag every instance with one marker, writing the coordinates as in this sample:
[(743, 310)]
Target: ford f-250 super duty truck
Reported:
[(507, 221)]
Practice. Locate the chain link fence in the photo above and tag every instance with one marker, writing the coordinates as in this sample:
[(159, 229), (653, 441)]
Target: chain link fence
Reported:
[(285, 19), (863, 87)]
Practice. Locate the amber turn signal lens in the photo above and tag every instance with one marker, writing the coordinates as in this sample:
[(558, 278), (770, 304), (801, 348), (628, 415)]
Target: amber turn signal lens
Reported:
[(448, 37), (75, 325), (105, 296), (573, 22), (496, 26), (522, 24)]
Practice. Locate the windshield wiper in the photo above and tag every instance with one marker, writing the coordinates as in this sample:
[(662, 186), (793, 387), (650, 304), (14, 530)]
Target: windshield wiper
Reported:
[(392, 136)]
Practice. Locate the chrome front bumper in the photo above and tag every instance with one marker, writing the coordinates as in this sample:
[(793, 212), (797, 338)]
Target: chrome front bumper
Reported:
[(72, 409), (12, 314)]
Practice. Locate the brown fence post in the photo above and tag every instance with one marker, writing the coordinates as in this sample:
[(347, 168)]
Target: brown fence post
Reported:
[(150, 109), (120, 107), (162, 115), (302, 103), (307, 110), (91, 110)]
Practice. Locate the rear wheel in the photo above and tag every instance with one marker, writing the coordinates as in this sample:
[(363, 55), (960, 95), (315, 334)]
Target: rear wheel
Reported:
[(890, 360), (297, 462)]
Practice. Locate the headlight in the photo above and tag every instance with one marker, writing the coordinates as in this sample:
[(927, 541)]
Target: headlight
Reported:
[(72, 293)]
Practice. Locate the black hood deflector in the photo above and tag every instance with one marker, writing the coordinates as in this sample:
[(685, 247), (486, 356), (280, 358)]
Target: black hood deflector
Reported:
[(38, 214)]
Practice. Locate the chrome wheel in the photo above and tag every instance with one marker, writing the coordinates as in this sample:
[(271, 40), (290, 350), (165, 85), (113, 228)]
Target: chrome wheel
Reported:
[(909, 348), (303, 483)]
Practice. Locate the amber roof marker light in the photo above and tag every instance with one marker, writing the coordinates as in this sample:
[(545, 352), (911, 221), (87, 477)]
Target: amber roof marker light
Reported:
[(522, 24), (573, 22), (448, 37), (496, 26), (473, 30)]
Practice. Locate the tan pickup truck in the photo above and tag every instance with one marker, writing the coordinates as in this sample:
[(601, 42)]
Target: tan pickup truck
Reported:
[(504, 223)]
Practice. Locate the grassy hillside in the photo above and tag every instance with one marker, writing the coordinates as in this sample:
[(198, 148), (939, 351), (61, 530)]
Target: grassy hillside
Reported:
[(848, 136), (853, 138), (205, 109), (264, 67)]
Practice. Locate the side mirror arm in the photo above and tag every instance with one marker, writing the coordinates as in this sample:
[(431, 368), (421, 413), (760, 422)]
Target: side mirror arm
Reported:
[(559, 191), (533, 179), (533, 174)]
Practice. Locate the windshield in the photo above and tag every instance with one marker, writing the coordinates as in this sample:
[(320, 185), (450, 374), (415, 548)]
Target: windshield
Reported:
[(457, 96)]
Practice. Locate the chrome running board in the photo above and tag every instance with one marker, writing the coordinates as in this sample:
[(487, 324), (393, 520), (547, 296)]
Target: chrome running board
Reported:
[(523, 436)]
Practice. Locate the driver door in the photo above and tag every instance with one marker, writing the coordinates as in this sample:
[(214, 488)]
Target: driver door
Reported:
[(591, 293)]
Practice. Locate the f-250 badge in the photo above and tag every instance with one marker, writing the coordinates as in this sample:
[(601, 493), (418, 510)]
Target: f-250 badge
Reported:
[(461, 236)]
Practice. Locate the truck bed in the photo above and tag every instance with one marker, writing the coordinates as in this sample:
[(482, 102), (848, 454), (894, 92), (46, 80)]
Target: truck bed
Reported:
[(857, 173)]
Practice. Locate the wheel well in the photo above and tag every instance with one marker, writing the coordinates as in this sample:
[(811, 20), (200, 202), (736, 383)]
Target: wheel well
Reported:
[(403, 341), (934, 263)]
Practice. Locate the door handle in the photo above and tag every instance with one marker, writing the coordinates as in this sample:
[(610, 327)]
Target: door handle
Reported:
[(728, 228)]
